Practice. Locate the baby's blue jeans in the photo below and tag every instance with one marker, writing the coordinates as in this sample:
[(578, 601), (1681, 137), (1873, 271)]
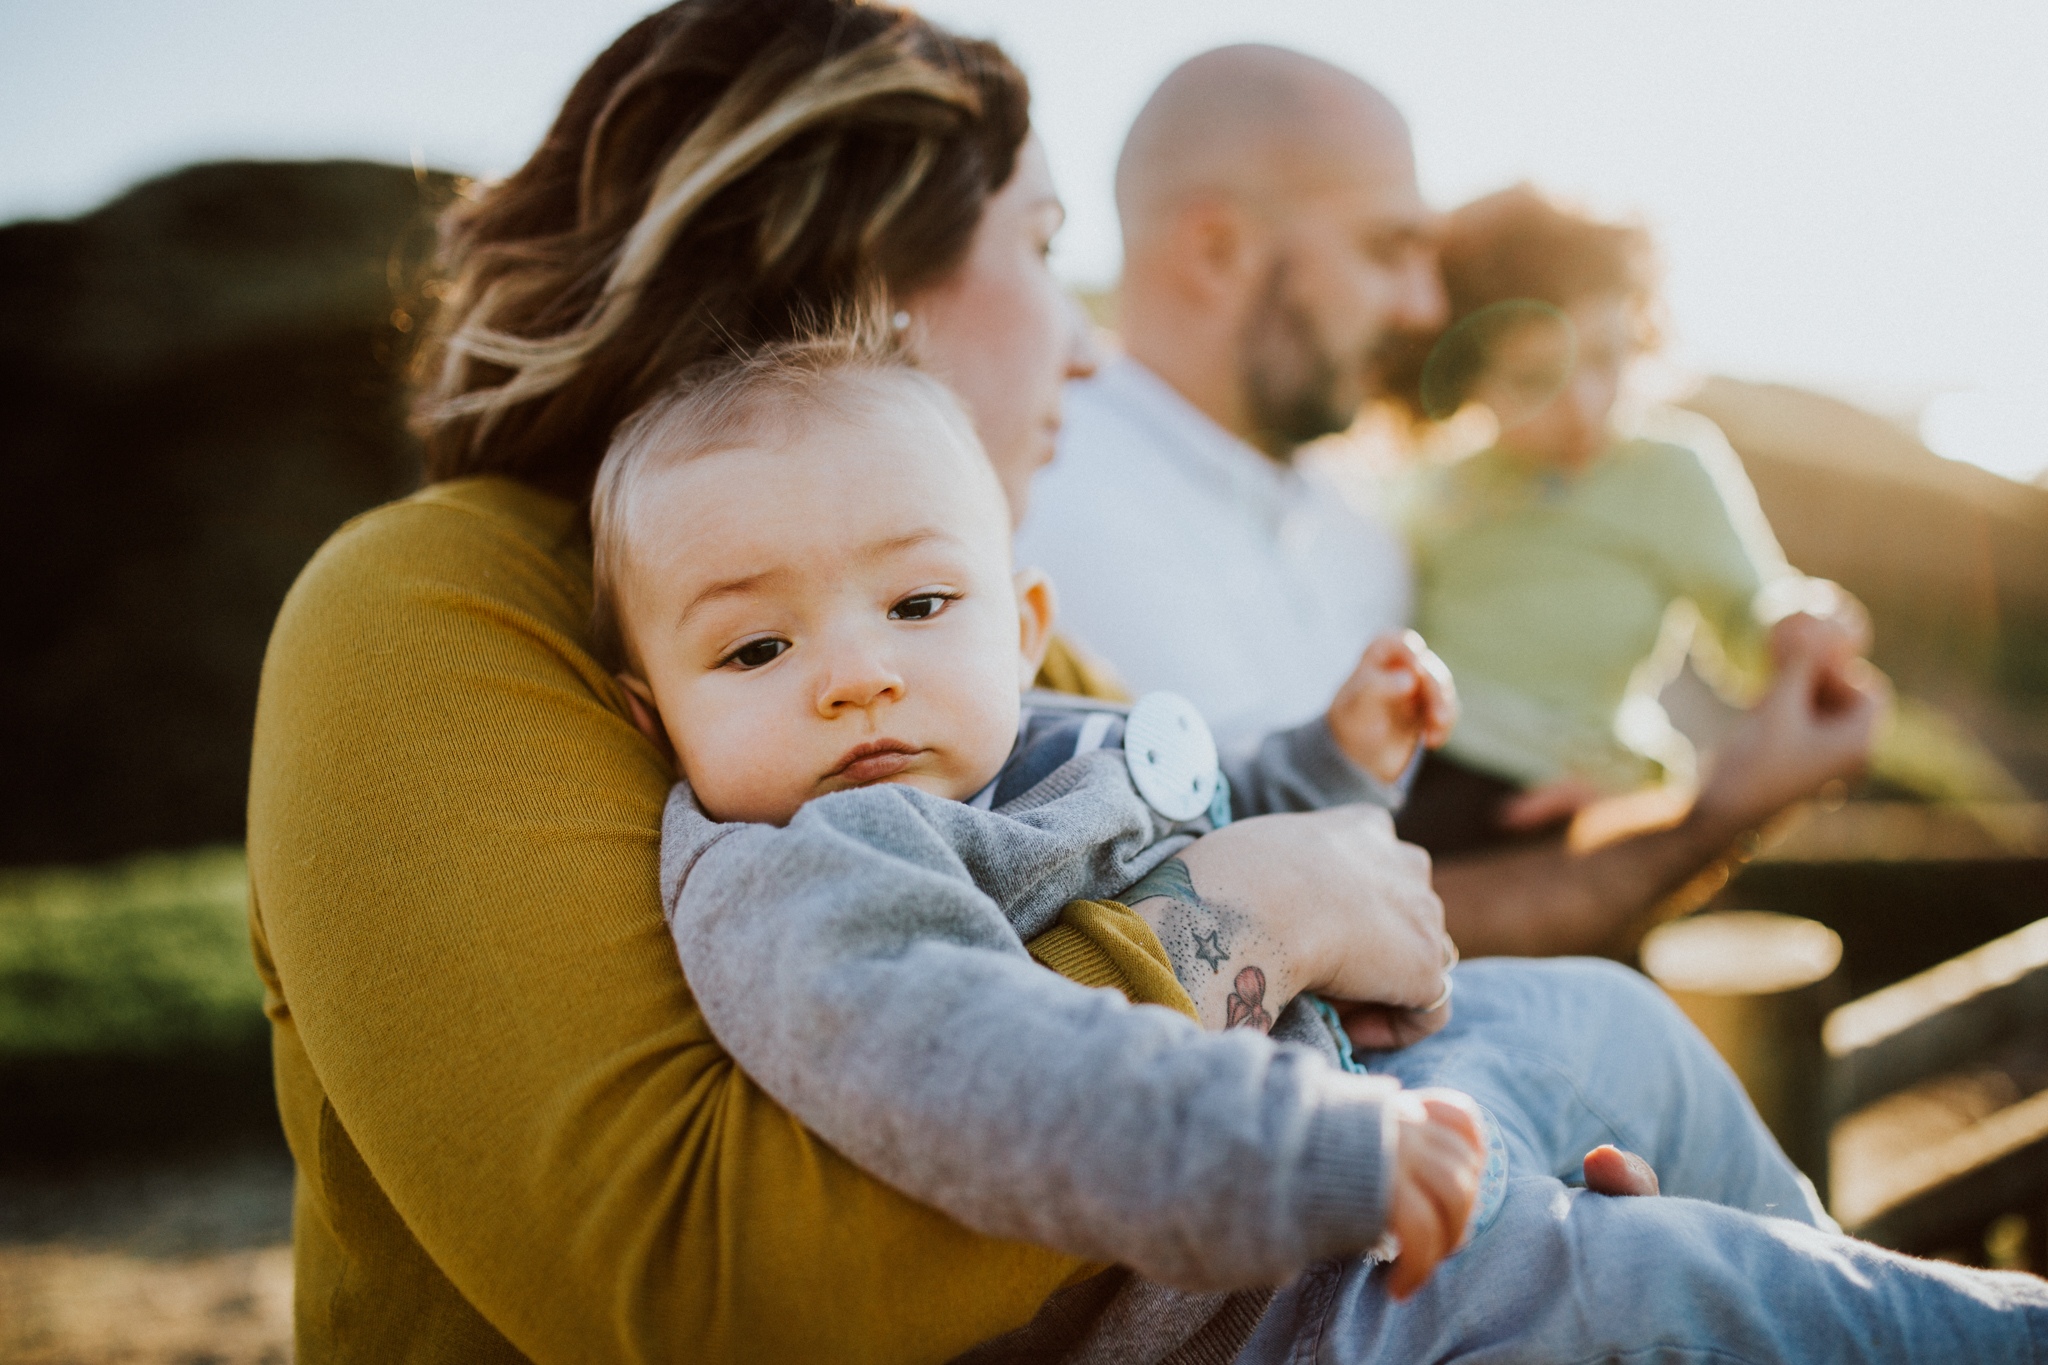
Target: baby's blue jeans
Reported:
[(1736, 1263)]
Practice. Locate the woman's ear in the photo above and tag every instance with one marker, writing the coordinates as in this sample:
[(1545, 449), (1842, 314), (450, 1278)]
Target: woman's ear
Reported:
[(646, 715), (1036, 607)]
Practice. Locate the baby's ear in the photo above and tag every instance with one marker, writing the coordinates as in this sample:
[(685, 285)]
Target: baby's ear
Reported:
[(1036, 607), (646, 715)]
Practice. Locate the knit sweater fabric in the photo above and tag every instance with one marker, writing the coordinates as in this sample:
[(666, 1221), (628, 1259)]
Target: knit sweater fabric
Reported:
[(865, 965)]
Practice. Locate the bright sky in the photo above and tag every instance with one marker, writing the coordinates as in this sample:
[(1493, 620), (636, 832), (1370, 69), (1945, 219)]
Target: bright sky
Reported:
[(1850, 193)]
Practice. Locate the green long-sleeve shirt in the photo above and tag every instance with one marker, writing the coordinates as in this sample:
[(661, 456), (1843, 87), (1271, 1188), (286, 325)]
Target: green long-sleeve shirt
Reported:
[(1547, 594)]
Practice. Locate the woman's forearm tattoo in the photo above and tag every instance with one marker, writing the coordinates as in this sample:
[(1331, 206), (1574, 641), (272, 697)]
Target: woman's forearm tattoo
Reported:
[(1247, 1002), (1205, 941)]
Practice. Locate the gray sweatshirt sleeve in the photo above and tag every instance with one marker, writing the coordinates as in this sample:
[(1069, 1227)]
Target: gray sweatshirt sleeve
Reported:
[(854, 970), (1303, 769)]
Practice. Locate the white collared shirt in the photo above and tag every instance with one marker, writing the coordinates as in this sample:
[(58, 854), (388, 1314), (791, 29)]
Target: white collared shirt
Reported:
[(1193, 563)]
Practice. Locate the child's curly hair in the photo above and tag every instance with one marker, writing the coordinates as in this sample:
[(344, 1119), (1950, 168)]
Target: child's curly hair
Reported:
[(1517, 246)]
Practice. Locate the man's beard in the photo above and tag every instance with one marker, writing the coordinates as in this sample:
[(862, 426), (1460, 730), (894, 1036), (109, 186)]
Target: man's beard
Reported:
[(1292, 382)]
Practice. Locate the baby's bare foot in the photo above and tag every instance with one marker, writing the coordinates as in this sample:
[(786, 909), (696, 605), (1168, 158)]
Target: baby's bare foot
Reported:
[(1609, 1170)]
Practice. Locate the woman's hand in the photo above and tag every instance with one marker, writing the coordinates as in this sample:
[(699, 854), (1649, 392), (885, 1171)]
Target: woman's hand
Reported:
[(1327, 901)]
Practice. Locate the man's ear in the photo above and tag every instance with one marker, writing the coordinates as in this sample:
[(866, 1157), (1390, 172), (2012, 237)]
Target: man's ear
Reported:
[(1036, 608), (646, 715), (1217, 242)]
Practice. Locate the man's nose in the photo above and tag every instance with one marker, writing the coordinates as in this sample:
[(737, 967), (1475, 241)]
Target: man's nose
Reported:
[(857, 676), (1422, 304)]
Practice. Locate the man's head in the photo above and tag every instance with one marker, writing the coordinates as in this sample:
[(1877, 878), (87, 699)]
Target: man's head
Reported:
[(803, 566), (1274, 240)]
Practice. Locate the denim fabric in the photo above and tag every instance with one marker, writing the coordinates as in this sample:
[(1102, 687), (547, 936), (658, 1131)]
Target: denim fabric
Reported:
[(1568, 1055)]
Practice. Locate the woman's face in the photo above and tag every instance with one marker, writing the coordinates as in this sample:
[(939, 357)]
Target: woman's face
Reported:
[(1000, 330), (1562, 422)]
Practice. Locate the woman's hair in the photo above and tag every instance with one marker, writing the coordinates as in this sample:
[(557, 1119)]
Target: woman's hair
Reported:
[(726, 171), (1512, 255), (840, 371)]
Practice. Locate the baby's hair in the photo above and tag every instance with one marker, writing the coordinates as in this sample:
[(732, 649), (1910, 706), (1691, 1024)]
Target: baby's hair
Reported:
[(837, 370)]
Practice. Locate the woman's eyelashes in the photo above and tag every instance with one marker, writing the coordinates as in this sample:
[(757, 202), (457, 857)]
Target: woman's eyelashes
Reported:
[(922, 606), (755, 653)]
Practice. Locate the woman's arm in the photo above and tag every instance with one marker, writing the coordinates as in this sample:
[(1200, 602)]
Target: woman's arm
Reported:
[(512, 1123)]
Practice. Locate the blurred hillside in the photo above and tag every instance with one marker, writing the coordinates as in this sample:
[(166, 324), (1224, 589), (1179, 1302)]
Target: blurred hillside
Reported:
[(1951, 559), (202, 380), (205, 377)]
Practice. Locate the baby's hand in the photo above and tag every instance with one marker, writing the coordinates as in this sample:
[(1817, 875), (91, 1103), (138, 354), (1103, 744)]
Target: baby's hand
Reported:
[(1437, 1167), (1400, 695)]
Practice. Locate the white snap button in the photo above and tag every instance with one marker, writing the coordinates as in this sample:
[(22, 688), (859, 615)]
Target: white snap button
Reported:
[(1171, 755)]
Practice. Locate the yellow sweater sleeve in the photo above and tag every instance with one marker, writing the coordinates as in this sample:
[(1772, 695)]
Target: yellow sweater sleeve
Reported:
[(516, 1137)]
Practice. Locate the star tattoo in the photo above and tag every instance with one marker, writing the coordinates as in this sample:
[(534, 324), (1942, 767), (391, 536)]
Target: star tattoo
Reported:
[(1210, 949)]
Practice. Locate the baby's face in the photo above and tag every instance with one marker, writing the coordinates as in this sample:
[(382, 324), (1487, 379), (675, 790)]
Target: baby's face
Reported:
[(834, 612)]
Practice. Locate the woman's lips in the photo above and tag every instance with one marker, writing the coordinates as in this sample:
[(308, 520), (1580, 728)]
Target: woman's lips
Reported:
[(874, 761)]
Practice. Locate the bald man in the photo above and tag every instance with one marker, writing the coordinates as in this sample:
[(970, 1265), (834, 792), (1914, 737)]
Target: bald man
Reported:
[(1274, 242)]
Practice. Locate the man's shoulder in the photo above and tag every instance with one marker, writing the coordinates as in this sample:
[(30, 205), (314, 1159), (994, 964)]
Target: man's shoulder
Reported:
[(1104, 425)]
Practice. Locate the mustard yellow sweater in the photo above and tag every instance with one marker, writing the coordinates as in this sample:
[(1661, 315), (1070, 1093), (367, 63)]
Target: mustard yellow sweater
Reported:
[(516, 1139)]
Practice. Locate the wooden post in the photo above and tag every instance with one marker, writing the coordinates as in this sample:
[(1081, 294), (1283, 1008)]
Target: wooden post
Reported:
[(1759, 985)]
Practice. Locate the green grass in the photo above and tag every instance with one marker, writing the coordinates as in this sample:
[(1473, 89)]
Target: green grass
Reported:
[(146, 957)]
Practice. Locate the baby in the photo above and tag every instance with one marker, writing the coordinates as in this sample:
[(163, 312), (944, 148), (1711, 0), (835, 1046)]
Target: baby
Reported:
[(803, 568)]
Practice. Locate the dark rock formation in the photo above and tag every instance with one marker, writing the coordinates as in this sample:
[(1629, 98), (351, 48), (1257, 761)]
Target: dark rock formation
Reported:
[(199, 382)]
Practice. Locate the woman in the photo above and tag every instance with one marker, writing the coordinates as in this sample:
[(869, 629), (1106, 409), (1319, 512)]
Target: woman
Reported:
[(515, 1137), (1547, 565)]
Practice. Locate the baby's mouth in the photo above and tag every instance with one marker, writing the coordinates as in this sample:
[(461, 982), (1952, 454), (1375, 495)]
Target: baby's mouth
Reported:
[(875, 761)]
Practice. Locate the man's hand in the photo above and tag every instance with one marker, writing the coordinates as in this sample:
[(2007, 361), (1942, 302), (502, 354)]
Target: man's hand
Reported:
[(1399, 696), (1438, 1161), (1816, 724)]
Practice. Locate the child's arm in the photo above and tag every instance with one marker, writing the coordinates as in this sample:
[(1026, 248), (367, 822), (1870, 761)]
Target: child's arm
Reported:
[(1399, 699), (1436, 1182), (1400, 696), (852, 968)]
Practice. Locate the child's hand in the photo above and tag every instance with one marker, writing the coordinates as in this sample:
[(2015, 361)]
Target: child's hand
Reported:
[(1827, 625), (1400, 695), (1436, 1181)]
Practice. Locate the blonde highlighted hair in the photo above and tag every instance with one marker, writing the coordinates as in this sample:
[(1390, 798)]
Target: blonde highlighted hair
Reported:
[(728, 171), (839, 371)]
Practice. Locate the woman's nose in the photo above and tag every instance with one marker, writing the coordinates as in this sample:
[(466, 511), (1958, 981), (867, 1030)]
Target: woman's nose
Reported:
[(1084, 356)]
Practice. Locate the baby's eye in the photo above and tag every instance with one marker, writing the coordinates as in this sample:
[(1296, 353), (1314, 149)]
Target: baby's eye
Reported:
[(755, 653), (921, 607)]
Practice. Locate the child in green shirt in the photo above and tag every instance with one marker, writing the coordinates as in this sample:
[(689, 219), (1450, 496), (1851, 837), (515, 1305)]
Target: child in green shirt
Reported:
[(1563, 572)]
